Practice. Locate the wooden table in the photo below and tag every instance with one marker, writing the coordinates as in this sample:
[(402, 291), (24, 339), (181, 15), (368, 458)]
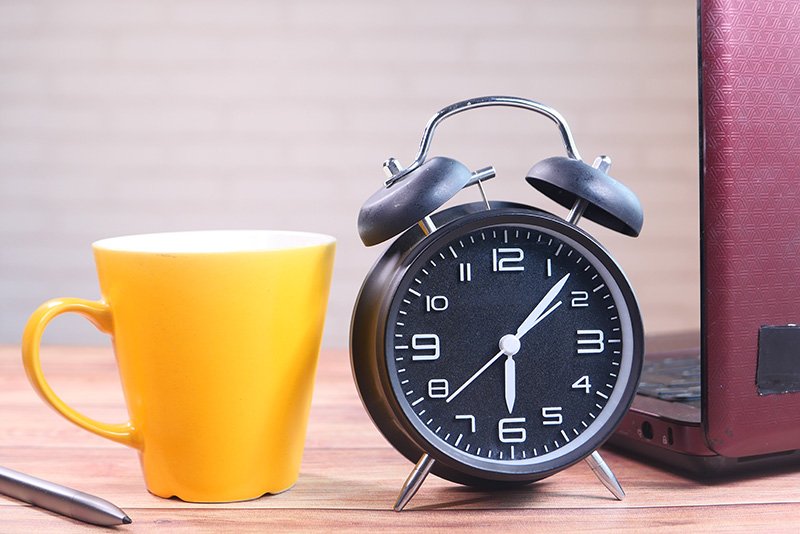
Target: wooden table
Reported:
[(350, 475)]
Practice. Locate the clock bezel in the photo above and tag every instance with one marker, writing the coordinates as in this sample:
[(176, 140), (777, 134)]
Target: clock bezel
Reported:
[(379, 389)]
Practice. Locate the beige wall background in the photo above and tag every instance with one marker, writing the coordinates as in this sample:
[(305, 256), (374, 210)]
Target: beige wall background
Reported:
[(129, 117)]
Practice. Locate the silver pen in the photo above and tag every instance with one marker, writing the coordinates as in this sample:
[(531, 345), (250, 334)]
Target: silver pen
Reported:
[(60, 499)]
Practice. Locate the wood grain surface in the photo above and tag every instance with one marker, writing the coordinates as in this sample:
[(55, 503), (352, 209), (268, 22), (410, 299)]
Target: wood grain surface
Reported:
[(350, 475)]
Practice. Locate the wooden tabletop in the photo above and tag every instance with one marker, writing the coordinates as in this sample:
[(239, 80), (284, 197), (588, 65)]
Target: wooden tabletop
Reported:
[(350, 475)]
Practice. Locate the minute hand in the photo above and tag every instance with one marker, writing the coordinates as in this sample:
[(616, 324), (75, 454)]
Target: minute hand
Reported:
[(533, 318)]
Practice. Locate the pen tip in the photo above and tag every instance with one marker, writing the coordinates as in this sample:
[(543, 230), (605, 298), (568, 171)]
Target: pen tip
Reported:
[(126, 520)]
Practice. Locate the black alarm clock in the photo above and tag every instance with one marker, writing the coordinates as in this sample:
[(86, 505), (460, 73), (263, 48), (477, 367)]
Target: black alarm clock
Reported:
[(493, 343)]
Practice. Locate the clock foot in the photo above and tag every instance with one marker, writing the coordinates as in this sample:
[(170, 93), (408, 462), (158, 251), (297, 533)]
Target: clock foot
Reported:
[(604, 473), (414, 481)]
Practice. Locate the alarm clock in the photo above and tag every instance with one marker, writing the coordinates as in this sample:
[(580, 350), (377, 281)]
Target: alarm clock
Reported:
[(494, 344)]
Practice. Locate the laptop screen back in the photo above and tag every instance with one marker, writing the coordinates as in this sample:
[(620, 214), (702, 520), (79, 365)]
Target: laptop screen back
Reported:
[(750, 150)]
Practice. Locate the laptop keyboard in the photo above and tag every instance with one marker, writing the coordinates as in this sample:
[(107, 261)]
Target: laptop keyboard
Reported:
[(674, 379)]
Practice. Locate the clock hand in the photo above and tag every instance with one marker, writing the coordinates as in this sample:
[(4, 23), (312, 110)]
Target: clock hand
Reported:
[(509, 344), (541, 318), (511, 347), (538, 312), (533, 318), (473, 377), (510, 383)]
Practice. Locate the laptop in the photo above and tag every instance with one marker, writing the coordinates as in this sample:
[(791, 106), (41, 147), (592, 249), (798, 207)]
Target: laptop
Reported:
[(727, 398)]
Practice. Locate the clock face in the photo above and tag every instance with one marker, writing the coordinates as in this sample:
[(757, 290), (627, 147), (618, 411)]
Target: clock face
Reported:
[(509, 346)]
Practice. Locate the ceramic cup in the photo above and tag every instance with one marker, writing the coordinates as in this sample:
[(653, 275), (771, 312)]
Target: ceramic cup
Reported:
[(216, 336)]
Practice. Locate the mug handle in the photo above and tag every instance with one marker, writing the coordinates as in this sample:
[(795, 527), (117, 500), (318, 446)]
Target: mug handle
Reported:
[(99, 314)]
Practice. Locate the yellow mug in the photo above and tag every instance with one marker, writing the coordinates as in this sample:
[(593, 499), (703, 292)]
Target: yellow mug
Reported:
[(216, 336)]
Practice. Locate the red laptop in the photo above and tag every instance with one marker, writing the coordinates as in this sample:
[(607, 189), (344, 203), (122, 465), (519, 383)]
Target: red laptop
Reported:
[(740, 407)]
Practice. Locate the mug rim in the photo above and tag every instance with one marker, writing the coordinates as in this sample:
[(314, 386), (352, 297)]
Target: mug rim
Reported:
[(213, 242)]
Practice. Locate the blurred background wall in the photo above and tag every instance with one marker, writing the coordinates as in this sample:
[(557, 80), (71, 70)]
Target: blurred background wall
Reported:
[(143, 116)]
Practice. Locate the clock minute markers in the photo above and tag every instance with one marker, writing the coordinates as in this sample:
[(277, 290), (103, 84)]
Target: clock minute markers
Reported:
[(444, 277)]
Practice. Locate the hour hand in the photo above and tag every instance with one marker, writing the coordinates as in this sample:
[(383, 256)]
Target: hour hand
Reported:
[(510, 383)]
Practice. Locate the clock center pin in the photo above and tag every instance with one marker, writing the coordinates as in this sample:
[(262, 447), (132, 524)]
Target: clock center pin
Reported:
[(509, 344)]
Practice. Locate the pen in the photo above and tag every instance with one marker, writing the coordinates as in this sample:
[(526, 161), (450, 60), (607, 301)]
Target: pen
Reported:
[(62, 500)]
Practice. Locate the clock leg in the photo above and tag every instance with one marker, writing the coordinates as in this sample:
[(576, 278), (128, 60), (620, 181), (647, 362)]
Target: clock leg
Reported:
[(414, 481), (604, 473)]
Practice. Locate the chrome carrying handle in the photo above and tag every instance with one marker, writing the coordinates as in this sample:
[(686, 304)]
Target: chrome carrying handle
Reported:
[(482, 102)]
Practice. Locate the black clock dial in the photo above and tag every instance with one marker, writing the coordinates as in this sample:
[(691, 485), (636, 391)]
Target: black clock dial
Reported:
[(509, 345)]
